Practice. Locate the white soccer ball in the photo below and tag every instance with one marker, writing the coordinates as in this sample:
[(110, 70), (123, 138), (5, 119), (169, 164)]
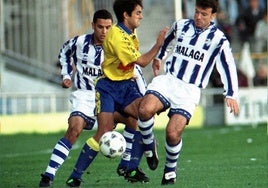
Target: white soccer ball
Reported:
[(112, 144)]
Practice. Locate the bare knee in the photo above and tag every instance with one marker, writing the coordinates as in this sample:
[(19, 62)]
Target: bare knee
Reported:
[(145, 112), (149, 106), (73, 132), (173, 136)]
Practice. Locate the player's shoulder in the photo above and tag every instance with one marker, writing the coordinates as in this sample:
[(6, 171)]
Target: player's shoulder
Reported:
[(113, 32), (86, 36), (85, 39), (180, 21), (217, 32)]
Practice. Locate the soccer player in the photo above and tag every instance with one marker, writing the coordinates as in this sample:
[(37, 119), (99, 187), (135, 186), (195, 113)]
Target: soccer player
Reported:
[(198, 47), (84, 54), (116, 90)]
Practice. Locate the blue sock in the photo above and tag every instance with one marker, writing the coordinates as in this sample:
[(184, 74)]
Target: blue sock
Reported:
[(137, 152), (126, 157), (85, 158)]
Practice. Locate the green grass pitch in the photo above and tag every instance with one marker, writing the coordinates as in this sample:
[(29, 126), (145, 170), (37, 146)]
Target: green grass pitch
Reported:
[(231, 157)]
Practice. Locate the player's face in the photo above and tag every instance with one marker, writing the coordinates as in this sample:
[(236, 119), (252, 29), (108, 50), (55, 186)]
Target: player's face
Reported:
[(134, 20), (101, 28), (203, 17)]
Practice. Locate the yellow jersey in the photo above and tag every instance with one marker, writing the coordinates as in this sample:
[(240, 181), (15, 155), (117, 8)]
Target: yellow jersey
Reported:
[(121, 51)]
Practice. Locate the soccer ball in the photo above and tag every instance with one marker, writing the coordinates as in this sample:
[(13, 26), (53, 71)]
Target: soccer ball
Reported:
[(112, 144)]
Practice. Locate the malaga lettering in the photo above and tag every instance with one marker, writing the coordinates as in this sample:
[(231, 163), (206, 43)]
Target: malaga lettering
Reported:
[(92, 71), (196, 55)]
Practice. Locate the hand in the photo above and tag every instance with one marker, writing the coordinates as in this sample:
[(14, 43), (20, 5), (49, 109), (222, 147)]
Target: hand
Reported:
[(161, 36), (156, 66), (66, 83), (233, 105)]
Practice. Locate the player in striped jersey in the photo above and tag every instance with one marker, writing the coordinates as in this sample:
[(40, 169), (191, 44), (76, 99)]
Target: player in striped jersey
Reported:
[(197, 47), (82, 56)]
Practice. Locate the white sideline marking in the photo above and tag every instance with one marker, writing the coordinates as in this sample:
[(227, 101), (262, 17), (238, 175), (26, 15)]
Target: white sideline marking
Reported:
[(75, 147)]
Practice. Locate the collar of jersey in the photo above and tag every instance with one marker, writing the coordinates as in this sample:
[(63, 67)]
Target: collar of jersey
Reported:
[(122, 26), (199, 30)]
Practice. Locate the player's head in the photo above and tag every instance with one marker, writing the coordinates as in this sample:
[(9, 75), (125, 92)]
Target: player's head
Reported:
[(128, 9), (205, 12), (213, 4), (102, 22), (102, 14)]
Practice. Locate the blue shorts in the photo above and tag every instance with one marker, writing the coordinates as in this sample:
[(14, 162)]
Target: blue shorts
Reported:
[(114, 96)]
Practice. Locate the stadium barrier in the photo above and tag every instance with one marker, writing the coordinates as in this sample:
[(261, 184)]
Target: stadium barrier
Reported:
[(253, 107), (35, 103), (252, 101)]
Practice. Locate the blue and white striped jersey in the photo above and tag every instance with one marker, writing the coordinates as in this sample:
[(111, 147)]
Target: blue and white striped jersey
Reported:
[(87, 59), (195, 52)]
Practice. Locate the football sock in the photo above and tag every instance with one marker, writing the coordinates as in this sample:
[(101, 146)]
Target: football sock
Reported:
[(137, 151), (146, 129), (128, 135), (172, 155), (87, 155), (58, 156)]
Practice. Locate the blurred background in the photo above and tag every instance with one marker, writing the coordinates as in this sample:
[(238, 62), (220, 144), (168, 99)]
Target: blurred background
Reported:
[(33, 31)]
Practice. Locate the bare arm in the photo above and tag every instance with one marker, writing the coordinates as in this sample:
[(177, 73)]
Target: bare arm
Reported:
[(146, 58)]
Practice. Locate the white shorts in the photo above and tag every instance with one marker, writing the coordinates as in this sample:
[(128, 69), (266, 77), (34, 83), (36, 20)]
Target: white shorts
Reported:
[(179, 94), (83, 101)]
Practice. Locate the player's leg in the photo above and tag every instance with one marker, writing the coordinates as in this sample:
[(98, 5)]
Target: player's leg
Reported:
[(173, 147), (81, 117), (149, 106), (183, 103), (105, 119), (62, 149), (134, 172), (129, 164), (90, 149)]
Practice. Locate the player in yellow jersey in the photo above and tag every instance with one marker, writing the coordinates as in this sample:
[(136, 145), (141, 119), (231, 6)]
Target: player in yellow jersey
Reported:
[(116, 90)]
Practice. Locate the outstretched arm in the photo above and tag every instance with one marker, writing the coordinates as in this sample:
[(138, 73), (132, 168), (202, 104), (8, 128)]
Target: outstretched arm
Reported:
[(146, 58)]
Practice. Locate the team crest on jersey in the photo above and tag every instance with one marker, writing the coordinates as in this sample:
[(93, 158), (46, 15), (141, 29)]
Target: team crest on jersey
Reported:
[(125, 68), (181, 36), (208, 42)]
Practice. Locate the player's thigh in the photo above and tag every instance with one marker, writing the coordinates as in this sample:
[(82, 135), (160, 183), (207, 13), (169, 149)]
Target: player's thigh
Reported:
[(132, 108), (105, 123)]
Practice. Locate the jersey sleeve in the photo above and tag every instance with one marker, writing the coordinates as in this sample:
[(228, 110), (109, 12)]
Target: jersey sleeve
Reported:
[(225, 65), (140, 80), (66, 57), (168, 44)]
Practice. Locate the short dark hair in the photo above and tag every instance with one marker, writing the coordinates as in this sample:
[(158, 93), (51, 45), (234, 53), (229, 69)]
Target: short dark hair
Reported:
[(128, 6), (208, 4), (102, 14)]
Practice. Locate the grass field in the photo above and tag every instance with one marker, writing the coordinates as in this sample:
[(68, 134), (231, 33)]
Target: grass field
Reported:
[(231, 157)]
